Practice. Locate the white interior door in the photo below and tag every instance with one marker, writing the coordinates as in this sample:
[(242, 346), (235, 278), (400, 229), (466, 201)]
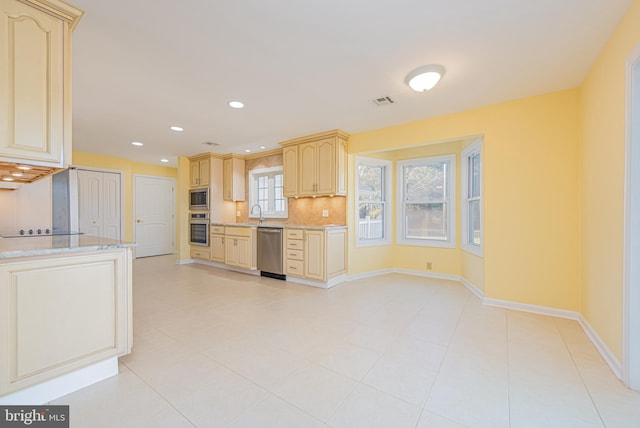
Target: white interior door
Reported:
[(100, 203), (154, 211)]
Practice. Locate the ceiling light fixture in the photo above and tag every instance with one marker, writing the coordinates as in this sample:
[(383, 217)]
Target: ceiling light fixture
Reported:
[(235, 104), (263, 147), (136, 143), (177, 128), (424, 78), (247, 150), (164, 160)]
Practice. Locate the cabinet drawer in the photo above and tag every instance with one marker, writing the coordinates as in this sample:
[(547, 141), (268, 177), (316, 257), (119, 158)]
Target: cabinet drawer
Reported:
[(239, 231), (295, 244), (217, 230), (200, 253), (295, 233), (295, 254), (295, 268)]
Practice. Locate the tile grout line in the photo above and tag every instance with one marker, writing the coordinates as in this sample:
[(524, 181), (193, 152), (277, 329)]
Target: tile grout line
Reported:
[(584, 383)]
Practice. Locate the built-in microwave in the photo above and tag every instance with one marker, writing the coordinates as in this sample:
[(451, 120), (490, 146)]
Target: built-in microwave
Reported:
[(199, 199)]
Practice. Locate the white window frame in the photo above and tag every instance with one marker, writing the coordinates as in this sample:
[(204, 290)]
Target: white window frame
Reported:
[(471, 151), (387, 201), (450, 242), (253, 193)]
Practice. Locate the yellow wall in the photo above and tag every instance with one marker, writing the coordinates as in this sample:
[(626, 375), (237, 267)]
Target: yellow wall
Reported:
[(182, 208), (129, 168), (602, 164), (531, 197)]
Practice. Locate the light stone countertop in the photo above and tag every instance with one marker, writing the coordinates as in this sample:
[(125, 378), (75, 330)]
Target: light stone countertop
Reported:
[(281, 225), (44, 245)]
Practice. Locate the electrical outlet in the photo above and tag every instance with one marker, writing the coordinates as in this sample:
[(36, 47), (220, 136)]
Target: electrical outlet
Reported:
[(325, 213), (237, 213), (429, 265)]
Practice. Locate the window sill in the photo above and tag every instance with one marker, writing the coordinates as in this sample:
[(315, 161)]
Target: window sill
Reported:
[(426, 243)]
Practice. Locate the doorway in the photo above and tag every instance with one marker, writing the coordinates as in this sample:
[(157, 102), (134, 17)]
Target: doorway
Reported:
[(154, 215), (631, 302)]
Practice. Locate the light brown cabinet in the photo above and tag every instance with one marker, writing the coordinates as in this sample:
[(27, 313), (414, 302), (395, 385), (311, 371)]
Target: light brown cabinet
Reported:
[(240, 247), (200, 172), (233, 178), (35, 53), (316, 165), (315, 254), (216, 242)]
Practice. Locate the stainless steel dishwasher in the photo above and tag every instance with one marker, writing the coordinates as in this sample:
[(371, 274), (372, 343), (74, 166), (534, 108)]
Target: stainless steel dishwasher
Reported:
[(270, 252)]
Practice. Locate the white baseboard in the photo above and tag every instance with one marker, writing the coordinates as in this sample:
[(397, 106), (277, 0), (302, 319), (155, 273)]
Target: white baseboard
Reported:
[(185, 261), (50, 390), (614, 364), (475, 290), (534, 309), (370, 274)]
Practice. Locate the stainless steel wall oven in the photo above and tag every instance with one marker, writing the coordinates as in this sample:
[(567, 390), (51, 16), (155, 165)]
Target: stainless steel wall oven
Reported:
[(199, 229)]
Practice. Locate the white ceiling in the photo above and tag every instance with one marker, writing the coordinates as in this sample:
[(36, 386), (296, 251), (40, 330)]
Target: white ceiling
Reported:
[(307, 66)]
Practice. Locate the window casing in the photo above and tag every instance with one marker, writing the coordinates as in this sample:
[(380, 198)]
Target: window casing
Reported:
[(266, 190), (373, 202), (427, 201), (472, 206)]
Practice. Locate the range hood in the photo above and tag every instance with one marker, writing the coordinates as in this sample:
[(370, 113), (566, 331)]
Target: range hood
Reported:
[(12, 174)]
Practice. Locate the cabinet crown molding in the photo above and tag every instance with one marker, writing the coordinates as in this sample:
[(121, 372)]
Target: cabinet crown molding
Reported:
[(321, 135), (59, 9)]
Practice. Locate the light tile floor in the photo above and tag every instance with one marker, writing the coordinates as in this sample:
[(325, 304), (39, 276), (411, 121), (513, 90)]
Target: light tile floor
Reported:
[(221, 349)]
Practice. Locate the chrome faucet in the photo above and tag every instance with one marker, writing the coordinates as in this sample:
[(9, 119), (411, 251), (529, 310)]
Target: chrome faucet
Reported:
[(260, 218)]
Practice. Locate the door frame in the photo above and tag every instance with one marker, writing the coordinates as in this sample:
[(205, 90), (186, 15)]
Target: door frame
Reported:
[(173, 209), (631, 274), (110, 171)]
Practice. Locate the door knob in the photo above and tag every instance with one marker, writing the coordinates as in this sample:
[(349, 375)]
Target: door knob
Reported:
[(94, 222), (138, 221)]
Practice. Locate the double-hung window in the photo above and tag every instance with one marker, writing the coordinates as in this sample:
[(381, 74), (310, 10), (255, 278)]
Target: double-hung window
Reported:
[(472, 199), (427, 201), (373, 201), (265, 189)]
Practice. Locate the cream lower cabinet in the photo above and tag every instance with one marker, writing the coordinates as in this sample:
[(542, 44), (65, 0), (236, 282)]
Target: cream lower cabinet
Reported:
[(216, 242), (240, 247), (62, 313), (198, 252), (35, 53), (314, 254)]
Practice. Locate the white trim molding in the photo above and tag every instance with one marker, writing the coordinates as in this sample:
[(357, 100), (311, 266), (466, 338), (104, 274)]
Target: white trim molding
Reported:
[(609, 357)]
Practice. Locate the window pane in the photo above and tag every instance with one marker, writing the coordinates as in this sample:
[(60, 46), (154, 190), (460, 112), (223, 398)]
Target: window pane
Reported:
[(474, 222), (370, 185), (425, 221), (371, 221), (474, 176), (425, 182)]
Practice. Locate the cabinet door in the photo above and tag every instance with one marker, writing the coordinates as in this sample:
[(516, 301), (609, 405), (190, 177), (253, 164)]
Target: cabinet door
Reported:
[(326, 169), (231, 250), (32, 81), (227, 179), (217, 248), (314, 254), (90, 202), (195, 174), (290, 170), (307, 169), (204, 172), (244, 252)]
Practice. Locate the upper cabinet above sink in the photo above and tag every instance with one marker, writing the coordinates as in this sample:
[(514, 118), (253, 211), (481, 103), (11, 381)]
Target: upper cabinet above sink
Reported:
[(316, 165), (35, 81)]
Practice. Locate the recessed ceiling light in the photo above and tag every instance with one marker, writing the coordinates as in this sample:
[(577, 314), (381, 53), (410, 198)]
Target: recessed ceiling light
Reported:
[(247, 150), (262, 147), (236, 104), (164, 160), (24, 167), (16, 174), (177, 128), (136, 143)]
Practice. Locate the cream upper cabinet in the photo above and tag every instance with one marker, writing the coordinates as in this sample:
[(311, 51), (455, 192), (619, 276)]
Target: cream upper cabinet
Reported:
[(233, 179), (320, 166), (290, 171), (200, 172), (35, 81)]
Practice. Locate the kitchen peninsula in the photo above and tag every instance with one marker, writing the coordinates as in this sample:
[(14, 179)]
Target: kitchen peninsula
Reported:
[(68, 314)]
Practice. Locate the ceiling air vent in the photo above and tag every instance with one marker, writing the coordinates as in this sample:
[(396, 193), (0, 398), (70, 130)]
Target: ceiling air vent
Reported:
[(383, 101), (211, 143)]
